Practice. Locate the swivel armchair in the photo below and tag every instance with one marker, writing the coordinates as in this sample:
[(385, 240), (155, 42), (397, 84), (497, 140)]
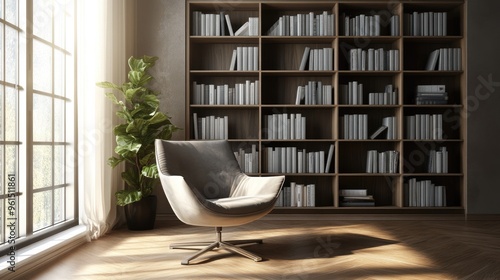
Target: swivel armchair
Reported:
[(205, 187)]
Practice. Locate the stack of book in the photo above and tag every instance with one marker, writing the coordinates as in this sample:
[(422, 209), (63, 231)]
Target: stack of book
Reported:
[(388, 97), (215, 25), (424, 194), (248, 160), (424, 127), (389, 126), (368, 25), (249, 28), (317, 59), (245, 59), (373, 60), (241, 94), (297, 195), (355, 197), (383, 162), (295, 160), (445, 59), (314, 93), (304, 25), (354, 126), (438, 161), (431, 95), (425, 23), (285, 126), (352, 93), (210, 127)]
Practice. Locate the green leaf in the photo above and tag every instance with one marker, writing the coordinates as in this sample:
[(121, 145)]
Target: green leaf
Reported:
[(151, 100), (126, 144), (131, 92), (120, 129), (114, 161), (112, 97), (109, 85), (150, 171), (135, 77), (131, 178), (125, 197), (148, 159), (138, 127)]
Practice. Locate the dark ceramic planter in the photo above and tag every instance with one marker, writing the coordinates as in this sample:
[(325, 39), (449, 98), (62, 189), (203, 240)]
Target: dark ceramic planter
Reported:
[(141, 215)]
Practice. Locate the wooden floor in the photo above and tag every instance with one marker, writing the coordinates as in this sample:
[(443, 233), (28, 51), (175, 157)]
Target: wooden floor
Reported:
[(300, 249)]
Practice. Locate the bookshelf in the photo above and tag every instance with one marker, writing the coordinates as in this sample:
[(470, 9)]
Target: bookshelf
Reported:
[(403, 34)]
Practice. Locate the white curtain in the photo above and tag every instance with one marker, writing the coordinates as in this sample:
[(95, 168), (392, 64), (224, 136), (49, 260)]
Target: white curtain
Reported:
[(101, 53)]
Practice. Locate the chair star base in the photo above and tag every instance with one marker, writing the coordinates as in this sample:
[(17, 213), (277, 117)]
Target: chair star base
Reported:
[(229, 245)]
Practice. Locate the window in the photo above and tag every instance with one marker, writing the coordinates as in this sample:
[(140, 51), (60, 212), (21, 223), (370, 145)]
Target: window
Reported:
[(37, 120)]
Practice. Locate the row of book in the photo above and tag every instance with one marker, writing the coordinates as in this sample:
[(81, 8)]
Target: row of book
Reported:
[(352, 94), (297, 195), (431, 95), (424, 194), (210, 127), (388, 97), (245, 59), (388, 128), (382, 162), (285, 126), (354, 126), (424, 127), (220, 25), (296, 160), (241, 94), (445, 59), (426, 23), (373, 59), (314, 93), (323, 24), (438, 161), (309, 24), (248, 160), (369, 25), (355, 198), (317, 59)]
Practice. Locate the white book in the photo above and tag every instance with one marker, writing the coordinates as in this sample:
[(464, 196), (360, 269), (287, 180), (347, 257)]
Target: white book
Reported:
[(305, 57), (239, 58), (255, 58), (232, 66), (299, 194), (244, 56), (329, 158), (311, 195), (243, 30), (293, 202)]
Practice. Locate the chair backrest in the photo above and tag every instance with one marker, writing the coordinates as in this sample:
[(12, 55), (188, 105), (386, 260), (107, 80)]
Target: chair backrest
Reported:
[(208, 166)]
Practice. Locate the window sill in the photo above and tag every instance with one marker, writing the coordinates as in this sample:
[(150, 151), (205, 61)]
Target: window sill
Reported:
[(36, 255)]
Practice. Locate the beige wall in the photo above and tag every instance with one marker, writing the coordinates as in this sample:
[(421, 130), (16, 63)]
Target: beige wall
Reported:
[(161, 32)]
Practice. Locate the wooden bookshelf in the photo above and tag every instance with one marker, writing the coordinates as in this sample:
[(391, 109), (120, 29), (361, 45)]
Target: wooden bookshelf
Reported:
[(278, 75)]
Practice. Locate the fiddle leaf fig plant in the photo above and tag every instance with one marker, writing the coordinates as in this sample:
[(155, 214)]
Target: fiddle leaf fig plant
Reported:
[(138, 107)]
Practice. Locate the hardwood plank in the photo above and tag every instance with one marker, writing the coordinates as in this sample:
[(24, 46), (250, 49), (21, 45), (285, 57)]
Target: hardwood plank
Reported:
[(296, 249)]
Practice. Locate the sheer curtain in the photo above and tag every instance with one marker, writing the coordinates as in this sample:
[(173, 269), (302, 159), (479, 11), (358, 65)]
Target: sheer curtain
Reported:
[(102, 56)]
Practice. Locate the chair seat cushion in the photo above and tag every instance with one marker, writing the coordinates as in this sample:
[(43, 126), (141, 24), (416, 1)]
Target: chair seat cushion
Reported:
[(241, 205)]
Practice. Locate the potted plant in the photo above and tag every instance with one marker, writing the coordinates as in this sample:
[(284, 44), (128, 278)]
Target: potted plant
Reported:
[(143, 123)]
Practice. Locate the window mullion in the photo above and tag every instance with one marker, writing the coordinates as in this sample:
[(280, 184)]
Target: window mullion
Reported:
[(29, 118)]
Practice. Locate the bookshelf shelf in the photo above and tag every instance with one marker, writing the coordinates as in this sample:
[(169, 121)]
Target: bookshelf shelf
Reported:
[(277, 79)]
